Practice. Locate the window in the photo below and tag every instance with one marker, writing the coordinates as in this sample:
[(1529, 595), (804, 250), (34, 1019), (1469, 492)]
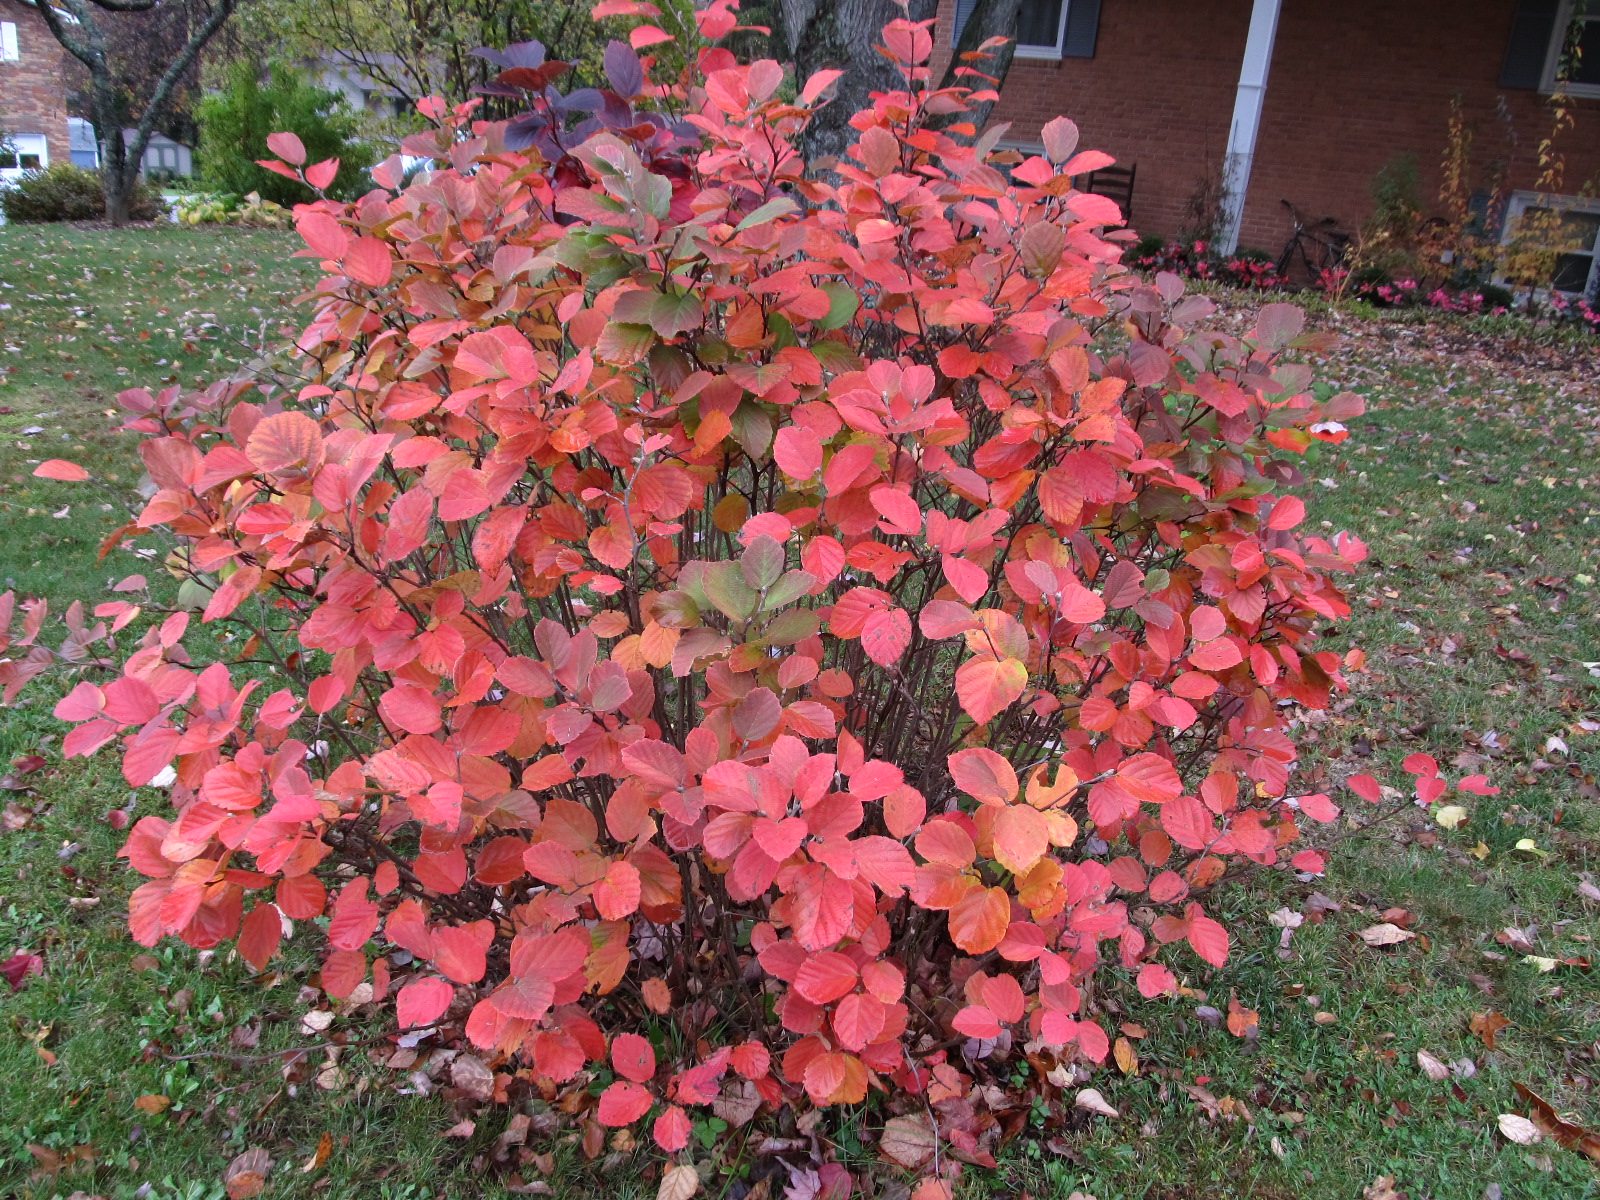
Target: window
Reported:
[(8, 42), (27, 152), (1041, 26), (1573, 58), (1567, 227)]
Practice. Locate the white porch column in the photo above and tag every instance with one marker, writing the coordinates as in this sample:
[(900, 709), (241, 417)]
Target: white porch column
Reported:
[(1247, 105)]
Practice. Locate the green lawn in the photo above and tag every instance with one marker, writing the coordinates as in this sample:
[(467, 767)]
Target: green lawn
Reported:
[(1474, 479)]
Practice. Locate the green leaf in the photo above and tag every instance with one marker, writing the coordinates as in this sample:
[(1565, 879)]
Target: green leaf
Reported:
[(772, 208), (753, 428), (790, 588), (674, 314), (842, 305), (762, 562), (725, 587), (789, 627)]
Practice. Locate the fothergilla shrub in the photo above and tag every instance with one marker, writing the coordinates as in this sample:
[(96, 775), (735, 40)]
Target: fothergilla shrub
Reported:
[(843, 614)]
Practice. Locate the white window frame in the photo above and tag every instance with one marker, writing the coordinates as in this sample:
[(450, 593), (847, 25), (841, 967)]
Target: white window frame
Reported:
[(9, 49), (1048, 52), (1519, 203), (27, 143), (1051, 53), (1558, 39)]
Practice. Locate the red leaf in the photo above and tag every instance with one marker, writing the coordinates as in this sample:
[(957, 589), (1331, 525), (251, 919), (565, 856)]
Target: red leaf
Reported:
[(826, 977), (288, 147), (1208, 937), (623, 1103), (978, 921), (321, 174), (671, 1130), (986, 687), (423, 1001), (983, 775), (460, 950), (60, 468), (886, 635), (976, 1022), (633, 1057), (368, 261), (260, 934), (1365, 786), (1156, 980)]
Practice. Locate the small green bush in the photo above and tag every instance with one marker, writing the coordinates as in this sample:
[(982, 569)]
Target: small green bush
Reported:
[(67, 193), (235, 122)]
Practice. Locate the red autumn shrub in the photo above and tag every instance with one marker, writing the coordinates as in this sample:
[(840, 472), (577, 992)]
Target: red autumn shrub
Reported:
[(845, 616)]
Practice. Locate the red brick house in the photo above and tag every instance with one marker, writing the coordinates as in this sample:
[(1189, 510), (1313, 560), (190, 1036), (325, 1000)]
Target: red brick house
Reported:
[(1271, 100), (32, 96)]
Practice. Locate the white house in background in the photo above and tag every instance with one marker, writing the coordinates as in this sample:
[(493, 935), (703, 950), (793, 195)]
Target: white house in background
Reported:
[(360, 91), (162, 154)]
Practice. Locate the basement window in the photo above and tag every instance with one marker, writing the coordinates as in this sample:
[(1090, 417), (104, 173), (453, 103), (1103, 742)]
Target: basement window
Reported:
[(1561, 234)]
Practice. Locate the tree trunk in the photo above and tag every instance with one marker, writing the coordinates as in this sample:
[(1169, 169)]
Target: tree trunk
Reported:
[(989, 18), (843, 34)]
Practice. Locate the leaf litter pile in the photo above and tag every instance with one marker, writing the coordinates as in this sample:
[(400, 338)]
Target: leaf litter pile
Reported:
[(1426, 1008)]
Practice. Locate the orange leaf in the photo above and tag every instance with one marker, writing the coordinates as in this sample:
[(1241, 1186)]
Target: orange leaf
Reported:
[(979, 920), (60, 468), (985, 687)]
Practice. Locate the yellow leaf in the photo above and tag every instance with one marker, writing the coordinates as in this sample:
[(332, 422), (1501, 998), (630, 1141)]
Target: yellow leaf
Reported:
[(1451, 816)]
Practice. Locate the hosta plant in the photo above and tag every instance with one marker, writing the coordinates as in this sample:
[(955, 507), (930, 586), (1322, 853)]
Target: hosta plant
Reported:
[(830, 617)]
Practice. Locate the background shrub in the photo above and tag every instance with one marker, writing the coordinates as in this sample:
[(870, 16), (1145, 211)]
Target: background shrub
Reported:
[(235, 122), (62, 192)]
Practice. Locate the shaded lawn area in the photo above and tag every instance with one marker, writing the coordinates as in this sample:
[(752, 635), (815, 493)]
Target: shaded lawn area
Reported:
[(1473, 478)]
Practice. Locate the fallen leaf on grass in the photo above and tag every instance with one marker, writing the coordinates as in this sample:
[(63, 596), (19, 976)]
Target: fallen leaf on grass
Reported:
[(1563, 1132), (678, 1183), (153, 1103), (461, 1129), (1486, 1025), (1450, 816), (1091, 1100), (1386, 934), (1518, 1129), (246, 1175), (1383, 1188), (1431, 1066), (18, 967), (908, 1141), (320, 1157)]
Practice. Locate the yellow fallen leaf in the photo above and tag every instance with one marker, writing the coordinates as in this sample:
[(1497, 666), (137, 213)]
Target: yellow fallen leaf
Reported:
[(1451, 816), (1538, 960), (1518, 1129)]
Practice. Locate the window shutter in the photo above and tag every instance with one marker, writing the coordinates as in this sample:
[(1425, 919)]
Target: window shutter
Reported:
[(1531, 30), (963, 12), (1083, 27), (8, 42)]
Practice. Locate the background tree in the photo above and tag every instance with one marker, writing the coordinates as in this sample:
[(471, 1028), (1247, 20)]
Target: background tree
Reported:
[(842, 35), (988, 19), (236, 119), (418, 48), (122, 78)]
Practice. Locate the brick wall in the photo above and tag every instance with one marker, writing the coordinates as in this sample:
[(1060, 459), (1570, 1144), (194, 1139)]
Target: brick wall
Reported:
[(1351, 86), (1348, 94), (31, 89)]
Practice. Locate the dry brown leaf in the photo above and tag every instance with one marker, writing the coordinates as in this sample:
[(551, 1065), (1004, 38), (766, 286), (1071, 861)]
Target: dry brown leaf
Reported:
[(908, 1141), (1386, 934), (470, 1075), (320, 1157), (1558, 1129), (1127, 1057), (1486, 1025), (461, 1129), (1383, 1188), (153, 1103), (678, 1183), (246, 1175)]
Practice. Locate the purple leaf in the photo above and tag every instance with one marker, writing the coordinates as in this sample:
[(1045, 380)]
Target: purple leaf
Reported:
[(623, 69)]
